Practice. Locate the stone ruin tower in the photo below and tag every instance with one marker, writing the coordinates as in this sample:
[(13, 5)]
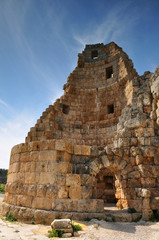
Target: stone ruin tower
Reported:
[(98, 143)]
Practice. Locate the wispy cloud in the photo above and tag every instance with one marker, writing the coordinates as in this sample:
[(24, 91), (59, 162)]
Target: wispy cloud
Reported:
[(12, 132), (112, 27), (4, 103)]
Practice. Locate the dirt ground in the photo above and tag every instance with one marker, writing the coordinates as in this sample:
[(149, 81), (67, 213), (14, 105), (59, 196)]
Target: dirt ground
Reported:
[(93, 230)]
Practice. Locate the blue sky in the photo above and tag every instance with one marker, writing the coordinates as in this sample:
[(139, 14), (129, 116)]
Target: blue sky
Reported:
[(39, 44)]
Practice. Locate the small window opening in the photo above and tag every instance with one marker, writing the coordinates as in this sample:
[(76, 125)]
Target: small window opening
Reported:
[(94, 54), (109, 72), (65, 109), (110, 108)]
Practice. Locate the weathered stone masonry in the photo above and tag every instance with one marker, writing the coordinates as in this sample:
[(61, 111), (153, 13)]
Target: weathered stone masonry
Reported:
[(102, 133)]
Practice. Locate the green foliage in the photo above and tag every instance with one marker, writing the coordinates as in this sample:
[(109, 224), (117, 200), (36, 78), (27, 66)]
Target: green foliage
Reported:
[(2, 188), (10, 217), (131, 210), (57, 217), (55, 233), (76, 227), (33, 219), (3, 175)]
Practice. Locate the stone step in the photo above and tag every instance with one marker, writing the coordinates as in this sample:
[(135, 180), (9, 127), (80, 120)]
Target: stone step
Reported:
[(121, 216)]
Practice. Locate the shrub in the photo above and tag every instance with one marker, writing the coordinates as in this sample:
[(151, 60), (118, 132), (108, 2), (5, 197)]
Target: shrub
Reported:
[(2, 188), (10, 217), (76, 227), (55, 233)]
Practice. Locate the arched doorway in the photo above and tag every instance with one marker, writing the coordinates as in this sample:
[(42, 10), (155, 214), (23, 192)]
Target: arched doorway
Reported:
[(105, 186)]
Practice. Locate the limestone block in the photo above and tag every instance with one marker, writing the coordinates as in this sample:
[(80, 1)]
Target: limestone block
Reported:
[(16, 149), (69, 147), (67, 157), (30, 167), (29, 178), (32, 189), (49, 155), (63, 192), (134, 174), (132, 183), (66, 235), (51, 144), (148, 182), (23, 200), (88, 180), (24, 147), (146, 170), (63, 167), (34, 146), (146, 215), (60, 145), (148, 151), (155, 171), (41, 190), (146, 204), (91, 205), (105, 161), (77, 150), (34, 156), (85, 150), (75, 192), (52, 191), (137, 204), (44, 145), (73, 180), (42, 203), (61, 224), (60, 178), (154, 203), (156, 160), (154, 192), (86, 192), (25, 157), (16, 157), (15, 167)]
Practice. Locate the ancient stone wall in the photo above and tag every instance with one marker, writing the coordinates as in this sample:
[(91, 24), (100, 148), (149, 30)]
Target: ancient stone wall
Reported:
[(107, 121), (95, 94)]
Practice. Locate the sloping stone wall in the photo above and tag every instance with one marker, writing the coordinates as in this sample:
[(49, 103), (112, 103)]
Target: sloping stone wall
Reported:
[(108, 118)]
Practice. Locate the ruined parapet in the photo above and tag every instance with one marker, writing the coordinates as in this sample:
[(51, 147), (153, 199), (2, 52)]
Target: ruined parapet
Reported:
[(102, 133)]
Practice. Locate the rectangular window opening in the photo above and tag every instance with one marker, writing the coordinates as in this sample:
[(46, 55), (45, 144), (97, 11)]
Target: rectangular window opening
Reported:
[(110, 108), (109, 72), (65, 109), (94, 54)]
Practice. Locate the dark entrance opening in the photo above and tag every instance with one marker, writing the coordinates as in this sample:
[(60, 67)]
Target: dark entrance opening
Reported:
[(94, 54), (109, 72), (105, 188), (110, 108)]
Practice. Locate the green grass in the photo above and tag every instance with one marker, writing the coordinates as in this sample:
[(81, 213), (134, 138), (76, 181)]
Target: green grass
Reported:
[(76, 227), (55, 233), (10, 217), (2, 188)]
